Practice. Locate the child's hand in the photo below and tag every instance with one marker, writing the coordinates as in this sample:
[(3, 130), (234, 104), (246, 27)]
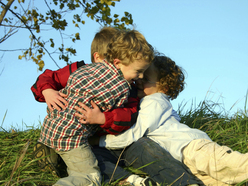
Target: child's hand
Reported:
[(54, 99), (88, 115)]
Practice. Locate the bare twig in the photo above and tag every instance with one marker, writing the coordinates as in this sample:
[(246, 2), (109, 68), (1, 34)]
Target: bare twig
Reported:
[(4, 119), (6, 36), (116, 165), (176, 179), (23, 180)]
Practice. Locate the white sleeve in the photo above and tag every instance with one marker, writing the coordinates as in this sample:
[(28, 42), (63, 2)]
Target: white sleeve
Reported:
[(147, 121)]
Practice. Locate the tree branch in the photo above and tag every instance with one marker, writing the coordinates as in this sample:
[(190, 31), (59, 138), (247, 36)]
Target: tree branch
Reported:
[(34, 37), (5, 9), (9, 34)]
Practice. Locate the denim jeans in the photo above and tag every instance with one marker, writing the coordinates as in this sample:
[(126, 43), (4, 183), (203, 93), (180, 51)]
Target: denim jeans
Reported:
[(107, 161), (149, 157)]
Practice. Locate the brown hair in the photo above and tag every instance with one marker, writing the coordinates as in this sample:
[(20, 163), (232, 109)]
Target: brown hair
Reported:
[(169, 75), (101, 41), (128, 46)]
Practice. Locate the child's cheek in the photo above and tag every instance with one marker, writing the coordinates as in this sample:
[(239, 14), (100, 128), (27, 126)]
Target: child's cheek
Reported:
[(146, 90)]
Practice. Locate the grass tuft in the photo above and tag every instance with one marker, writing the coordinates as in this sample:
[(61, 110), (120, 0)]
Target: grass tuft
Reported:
[(17, 166)]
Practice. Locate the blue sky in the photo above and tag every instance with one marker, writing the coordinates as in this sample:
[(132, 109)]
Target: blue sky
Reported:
[(208, 38)]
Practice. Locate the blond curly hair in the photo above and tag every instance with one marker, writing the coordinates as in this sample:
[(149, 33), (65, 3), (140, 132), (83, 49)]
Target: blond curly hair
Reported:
[(128, 46)]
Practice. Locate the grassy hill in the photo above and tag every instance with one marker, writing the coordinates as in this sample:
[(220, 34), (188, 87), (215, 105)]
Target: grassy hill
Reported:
[(17, 166)]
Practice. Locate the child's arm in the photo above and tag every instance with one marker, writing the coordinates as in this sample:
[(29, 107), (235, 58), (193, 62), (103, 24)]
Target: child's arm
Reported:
[(120, 119), (50, 82), (114, 121), (151, 115)]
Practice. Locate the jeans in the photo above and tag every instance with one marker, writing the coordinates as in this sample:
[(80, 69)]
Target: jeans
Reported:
[(150, 158), (107, 161)]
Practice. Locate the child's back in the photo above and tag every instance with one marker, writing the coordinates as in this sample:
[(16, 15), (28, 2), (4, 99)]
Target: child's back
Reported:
[(99, 82)]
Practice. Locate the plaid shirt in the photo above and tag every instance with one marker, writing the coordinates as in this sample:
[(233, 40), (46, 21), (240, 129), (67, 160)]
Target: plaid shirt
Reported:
[(100, 82)]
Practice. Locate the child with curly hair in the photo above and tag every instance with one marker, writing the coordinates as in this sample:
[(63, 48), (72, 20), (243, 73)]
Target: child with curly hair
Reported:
[(211, 163)]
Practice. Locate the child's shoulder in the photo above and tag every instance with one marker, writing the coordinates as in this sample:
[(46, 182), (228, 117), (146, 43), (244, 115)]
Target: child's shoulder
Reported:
[(89, 66), (103, 64), (159, 99)]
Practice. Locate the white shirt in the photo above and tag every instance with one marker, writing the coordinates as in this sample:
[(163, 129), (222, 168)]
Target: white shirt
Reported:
[(158, 121)]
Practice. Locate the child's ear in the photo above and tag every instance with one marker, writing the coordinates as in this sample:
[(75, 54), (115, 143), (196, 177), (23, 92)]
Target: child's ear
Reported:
[(97, 57), (117, 63)]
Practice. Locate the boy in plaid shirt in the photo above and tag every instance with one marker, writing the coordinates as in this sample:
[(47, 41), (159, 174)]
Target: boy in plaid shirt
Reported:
[(46, 89), (107, 84), (47, 86)]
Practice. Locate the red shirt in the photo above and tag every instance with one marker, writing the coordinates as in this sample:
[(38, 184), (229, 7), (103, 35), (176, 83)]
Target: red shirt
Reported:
[(117, 120)]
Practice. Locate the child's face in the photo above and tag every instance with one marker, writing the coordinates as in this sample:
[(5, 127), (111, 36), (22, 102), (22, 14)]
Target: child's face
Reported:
[(149, 84), (134, 70)]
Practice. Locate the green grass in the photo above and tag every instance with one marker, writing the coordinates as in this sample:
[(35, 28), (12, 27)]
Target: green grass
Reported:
[(18, 168)]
